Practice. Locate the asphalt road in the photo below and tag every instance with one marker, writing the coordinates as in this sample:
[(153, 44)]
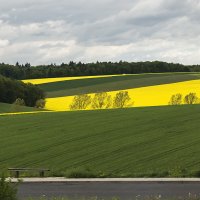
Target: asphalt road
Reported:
[(123, 190)]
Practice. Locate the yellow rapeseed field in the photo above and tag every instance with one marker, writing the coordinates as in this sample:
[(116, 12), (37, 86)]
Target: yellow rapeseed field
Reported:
[(158, 95), (52, 80)]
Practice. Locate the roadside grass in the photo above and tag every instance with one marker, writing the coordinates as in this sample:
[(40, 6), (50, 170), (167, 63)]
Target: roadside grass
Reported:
[(153, 197), (66, 198), (135, 142), (176, 172), (83, 86)]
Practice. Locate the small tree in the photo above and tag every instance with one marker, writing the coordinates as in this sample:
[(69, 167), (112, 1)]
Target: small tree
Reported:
[(40, 103), (191, 98), (8, 191), (122, 100), (176, 99), (80, 102), (16, 106), (19, 102), (101, 100)]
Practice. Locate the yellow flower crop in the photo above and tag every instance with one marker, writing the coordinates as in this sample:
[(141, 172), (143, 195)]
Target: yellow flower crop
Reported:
[(51, 80), (158, 95)]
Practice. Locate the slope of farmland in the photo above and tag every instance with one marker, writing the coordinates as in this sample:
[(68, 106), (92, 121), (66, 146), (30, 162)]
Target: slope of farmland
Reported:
[(125, 142), (10, 108), (91, 85), (158, 95)]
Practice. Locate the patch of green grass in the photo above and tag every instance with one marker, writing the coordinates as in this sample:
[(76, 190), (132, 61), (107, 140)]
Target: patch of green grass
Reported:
[(118, 143), (11, 108), (74, 87)]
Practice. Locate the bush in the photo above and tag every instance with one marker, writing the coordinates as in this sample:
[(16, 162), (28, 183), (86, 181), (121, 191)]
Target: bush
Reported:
[(40, 103), (7, 190), (19, 102)]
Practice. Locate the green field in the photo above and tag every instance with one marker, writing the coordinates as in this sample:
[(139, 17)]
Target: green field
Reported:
[(74, 87), (154, 141), (10, 108)]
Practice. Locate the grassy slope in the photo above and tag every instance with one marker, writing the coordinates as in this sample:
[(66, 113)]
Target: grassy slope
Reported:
[(119, 141), (9, 108), (66, 88)]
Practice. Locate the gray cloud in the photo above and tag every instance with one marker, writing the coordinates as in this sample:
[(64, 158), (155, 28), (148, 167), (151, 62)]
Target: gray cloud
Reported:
[(48, 31)]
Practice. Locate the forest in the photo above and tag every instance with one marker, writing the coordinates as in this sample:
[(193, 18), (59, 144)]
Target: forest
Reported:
[(27, 71), (11, 90)]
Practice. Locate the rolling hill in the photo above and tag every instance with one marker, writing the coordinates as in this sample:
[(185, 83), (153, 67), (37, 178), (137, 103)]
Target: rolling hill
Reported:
[(158, 95), (84, 86), (153, 141), (144, 89)]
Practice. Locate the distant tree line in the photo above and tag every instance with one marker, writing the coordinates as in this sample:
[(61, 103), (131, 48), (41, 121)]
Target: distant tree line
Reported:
[(13, 91), (99, 68)]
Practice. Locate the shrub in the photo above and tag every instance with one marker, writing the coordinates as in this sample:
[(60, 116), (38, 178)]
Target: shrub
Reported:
[(40, 103), (8, 191), (19, 102)]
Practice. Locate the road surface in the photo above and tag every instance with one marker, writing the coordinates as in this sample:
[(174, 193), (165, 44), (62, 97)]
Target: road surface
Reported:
[(123, 190)]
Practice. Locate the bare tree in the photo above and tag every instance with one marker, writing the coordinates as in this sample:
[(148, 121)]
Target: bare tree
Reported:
[(101, 100), (80, 102), (122, 100), (191, 98), (176, 99)]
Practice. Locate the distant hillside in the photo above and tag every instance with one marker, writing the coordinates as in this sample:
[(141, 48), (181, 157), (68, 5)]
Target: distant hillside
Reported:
[(156, 141), (82, 86)]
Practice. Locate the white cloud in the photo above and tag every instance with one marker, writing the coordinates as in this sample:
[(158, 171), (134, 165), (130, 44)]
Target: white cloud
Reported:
[(4, 43), (46, 31)]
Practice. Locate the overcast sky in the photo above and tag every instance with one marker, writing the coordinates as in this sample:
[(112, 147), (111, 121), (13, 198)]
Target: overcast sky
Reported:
[(49, 31)]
